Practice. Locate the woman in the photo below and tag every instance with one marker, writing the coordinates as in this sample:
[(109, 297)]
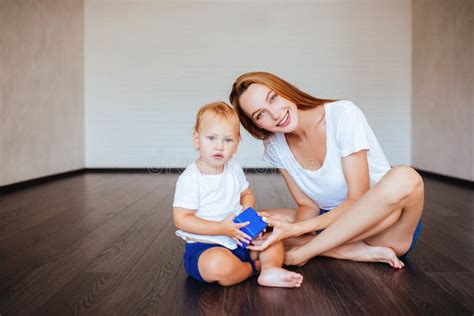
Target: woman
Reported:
[(333, 167)]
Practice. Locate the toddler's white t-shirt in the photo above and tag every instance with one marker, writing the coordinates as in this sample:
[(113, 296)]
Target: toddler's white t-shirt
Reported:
[(214, 197), (347, 132)]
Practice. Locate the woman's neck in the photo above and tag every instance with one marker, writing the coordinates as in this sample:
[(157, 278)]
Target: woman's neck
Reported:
[(308, 120)]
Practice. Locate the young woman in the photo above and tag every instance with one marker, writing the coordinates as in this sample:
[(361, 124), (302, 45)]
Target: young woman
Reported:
[(333, 167)]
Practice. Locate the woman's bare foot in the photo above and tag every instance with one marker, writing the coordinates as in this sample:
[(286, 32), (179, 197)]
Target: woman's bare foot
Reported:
[(356, 251), (279, 277), (295, 257), (385, 255), (361, 251)]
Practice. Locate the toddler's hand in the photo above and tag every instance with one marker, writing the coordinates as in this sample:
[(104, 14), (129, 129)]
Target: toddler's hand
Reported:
[(231, 229)]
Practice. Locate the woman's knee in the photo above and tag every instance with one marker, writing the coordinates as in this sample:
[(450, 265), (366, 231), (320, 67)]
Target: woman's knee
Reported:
[(403, 181), (401, 247)]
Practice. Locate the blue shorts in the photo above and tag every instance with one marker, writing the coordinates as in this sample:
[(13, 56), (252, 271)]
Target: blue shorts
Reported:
[(193, 251), (413, 241)]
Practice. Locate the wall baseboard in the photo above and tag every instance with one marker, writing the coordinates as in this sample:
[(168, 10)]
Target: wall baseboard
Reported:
[(27, 183), (156, 171), (452, 180), (172, 170)]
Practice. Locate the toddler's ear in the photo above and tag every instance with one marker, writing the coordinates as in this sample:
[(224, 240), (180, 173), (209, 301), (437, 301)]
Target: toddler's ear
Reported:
[(196, 140)]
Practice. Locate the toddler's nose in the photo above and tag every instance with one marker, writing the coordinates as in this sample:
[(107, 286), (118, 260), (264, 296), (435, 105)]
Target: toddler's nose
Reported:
[(220, 145)]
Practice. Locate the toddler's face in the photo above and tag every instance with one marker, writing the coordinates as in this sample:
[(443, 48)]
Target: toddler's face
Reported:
[(217, 139)]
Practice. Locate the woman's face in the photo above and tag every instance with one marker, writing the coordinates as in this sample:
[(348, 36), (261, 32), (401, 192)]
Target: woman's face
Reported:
[(268, 110)]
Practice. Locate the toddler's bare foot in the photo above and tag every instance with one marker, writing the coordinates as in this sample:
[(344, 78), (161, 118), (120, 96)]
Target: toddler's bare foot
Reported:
[(279, 277)]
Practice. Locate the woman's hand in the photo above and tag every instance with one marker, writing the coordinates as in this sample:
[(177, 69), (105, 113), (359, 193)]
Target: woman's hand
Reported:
[(282, 229), (232, 230)]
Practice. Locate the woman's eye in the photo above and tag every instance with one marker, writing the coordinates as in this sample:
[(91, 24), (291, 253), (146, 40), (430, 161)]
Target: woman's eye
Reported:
[(273, 98), (259, 116)]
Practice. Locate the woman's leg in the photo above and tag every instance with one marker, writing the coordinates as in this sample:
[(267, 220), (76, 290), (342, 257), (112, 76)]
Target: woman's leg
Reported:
[(272, 273), (355, 251), (386, 215), (220, 265), (362, 252)]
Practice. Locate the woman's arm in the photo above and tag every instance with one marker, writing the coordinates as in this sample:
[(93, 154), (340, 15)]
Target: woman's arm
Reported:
[(306, 208), (282, 228), (356, 173)]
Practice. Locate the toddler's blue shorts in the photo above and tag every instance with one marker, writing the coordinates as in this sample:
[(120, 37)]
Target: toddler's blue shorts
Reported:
[(193, 251), (413, 241)]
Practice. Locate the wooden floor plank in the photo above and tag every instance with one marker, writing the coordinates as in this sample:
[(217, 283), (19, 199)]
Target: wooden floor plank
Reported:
[(30, 292), (101, 244), (459, 284), (67, 230), (79, 294)]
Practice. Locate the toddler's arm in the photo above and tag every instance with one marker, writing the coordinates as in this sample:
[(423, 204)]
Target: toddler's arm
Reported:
[(247, 199), (185, 220)]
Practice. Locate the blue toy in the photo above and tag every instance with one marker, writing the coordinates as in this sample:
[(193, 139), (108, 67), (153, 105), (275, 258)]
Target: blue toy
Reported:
[(256, 226)]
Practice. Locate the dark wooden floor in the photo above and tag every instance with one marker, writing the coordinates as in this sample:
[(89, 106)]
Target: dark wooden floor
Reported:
[(104, 244)]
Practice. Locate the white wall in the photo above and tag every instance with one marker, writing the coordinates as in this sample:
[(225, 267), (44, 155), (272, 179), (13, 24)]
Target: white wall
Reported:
[(443, 87), (150, 64)]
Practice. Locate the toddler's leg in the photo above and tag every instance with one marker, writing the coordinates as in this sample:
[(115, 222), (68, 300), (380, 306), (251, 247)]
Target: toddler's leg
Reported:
[(220, 265), (272, 273)]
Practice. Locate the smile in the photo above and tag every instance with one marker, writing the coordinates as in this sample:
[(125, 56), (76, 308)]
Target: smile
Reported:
[(285, 120)]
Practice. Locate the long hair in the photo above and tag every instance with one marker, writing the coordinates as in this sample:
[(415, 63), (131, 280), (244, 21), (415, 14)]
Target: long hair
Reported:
[(303, 100)]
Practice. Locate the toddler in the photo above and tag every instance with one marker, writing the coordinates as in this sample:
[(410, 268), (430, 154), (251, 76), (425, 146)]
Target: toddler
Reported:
[(209, 193)]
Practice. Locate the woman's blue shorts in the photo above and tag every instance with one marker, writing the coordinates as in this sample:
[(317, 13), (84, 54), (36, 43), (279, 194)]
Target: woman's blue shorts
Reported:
[(193, 251), (413, 241)]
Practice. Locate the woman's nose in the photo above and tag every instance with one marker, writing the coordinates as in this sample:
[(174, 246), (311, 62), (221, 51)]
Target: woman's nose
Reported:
[(275, 114)]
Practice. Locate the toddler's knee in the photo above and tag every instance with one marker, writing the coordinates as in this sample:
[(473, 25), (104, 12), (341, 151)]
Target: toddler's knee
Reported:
[(215, 267), (223, 271)]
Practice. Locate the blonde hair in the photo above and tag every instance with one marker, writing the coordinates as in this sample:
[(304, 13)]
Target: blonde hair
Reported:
[(303, 100), (220, 110)]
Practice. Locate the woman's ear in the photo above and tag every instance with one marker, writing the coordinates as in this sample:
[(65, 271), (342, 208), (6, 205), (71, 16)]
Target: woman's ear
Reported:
[(196, 140)]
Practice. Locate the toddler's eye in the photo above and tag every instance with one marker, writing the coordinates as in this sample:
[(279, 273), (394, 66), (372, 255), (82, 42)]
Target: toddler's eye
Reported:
[(229, 140), (211, 137)]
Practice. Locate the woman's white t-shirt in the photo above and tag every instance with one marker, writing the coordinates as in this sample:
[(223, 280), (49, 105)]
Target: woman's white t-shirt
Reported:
[(347, 132), (214, 197)]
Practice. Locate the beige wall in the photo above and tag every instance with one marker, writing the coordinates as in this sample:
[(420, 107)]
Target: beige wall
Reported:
[(42, 78), (42, 88), (443, 87)]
